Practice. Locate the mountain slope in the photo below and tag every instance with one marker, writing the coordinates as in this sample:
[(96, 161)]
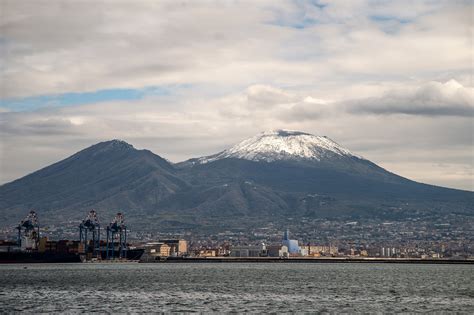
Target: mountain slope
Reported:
[(269, 177), (346, 190), (110, 176), (295, 165)]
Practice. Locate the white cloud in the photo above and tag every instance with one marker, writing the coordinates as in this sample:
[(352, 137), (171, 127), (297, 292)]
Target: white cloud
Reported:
[(371, 75), (179, 128), (433, 98), (50, 47)]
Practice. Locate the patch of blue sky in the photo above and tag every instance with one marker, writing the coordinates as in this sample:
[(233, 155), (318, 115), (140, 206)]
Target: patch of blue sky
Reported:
[(297, 19), (390, 18), (80, 98), (317, 3), (390, 24), (298, 22)]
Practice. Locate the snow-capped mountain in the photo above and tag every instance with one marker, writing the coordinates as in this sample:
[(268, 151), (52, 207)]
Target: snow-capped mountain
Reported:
[(280, 144), (312, 177)]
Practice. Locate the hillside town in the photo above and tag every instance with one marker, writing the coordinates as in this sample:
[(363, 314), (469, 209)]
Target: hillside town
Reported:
[(448, 238)]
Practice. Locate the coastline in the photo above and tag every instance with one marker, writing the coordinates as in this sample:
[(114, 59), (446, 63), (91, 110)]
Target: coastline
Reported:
[(42, 258), (309, 260)]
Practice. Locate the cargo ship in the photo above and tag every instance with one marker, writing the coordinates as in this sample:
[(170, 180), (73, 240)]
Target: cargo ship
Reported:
[(37, 257), (63, 251), (42, 252), (131, 255), (31, 248)]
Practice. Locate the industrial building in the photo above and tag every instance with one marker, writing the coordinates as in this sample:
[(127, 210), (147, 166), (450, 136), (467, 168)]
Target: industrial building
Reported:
[(318, 250), (292, 245), (157, 249), (277, 251), (163, 249), (178, 247), (248, 251)]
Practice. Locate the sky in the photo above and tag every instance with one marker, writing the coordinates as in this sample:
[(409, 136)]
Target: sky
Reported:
[(389, 80)]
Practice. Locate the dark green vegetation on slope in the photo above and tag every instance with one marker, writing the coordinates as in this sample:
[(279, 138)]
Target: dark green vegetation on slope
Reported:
[(113, 176)]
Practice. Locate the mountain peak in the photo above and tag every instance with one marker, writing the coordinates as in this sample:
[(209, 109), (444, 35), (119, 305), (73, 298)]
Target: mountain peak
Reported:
[(108, 147), (116, 144), (281, 144)]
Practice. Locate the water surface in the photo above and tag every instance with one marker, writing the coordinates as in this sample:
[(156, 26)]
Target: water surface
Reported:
[(239, 287)]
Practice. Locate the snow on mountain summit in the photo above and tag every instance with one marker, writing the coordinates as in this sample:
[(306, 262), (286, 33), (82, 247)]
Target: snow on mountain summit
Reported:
[(283, 145)]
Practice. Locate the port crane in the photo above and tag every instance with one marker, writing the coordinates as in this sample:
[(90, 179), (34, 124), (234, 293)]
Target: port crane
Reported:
[(117, 230), (90, 227), (28, 232)]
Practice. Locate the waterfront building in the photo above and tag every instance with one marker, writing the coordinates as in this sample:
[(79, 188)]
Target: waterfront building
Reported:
[(160, 249), (292, 245), (277, 251), (178, 247), (248, 251), (208, 252), (318, 250)]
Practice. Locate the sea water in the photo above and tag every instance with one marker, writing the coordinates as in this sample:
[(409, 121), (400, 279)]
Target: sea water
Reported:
[(236, 287)]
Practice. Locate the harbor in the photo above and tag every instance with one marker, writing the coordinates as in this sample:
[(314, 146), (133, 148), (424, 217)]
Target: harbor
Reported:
[(30, 247)]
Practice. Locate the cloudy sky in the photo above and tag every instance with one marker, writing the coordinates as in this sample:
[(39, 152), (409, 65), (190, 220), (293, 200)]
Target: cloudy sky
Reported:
[(390, 80)]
